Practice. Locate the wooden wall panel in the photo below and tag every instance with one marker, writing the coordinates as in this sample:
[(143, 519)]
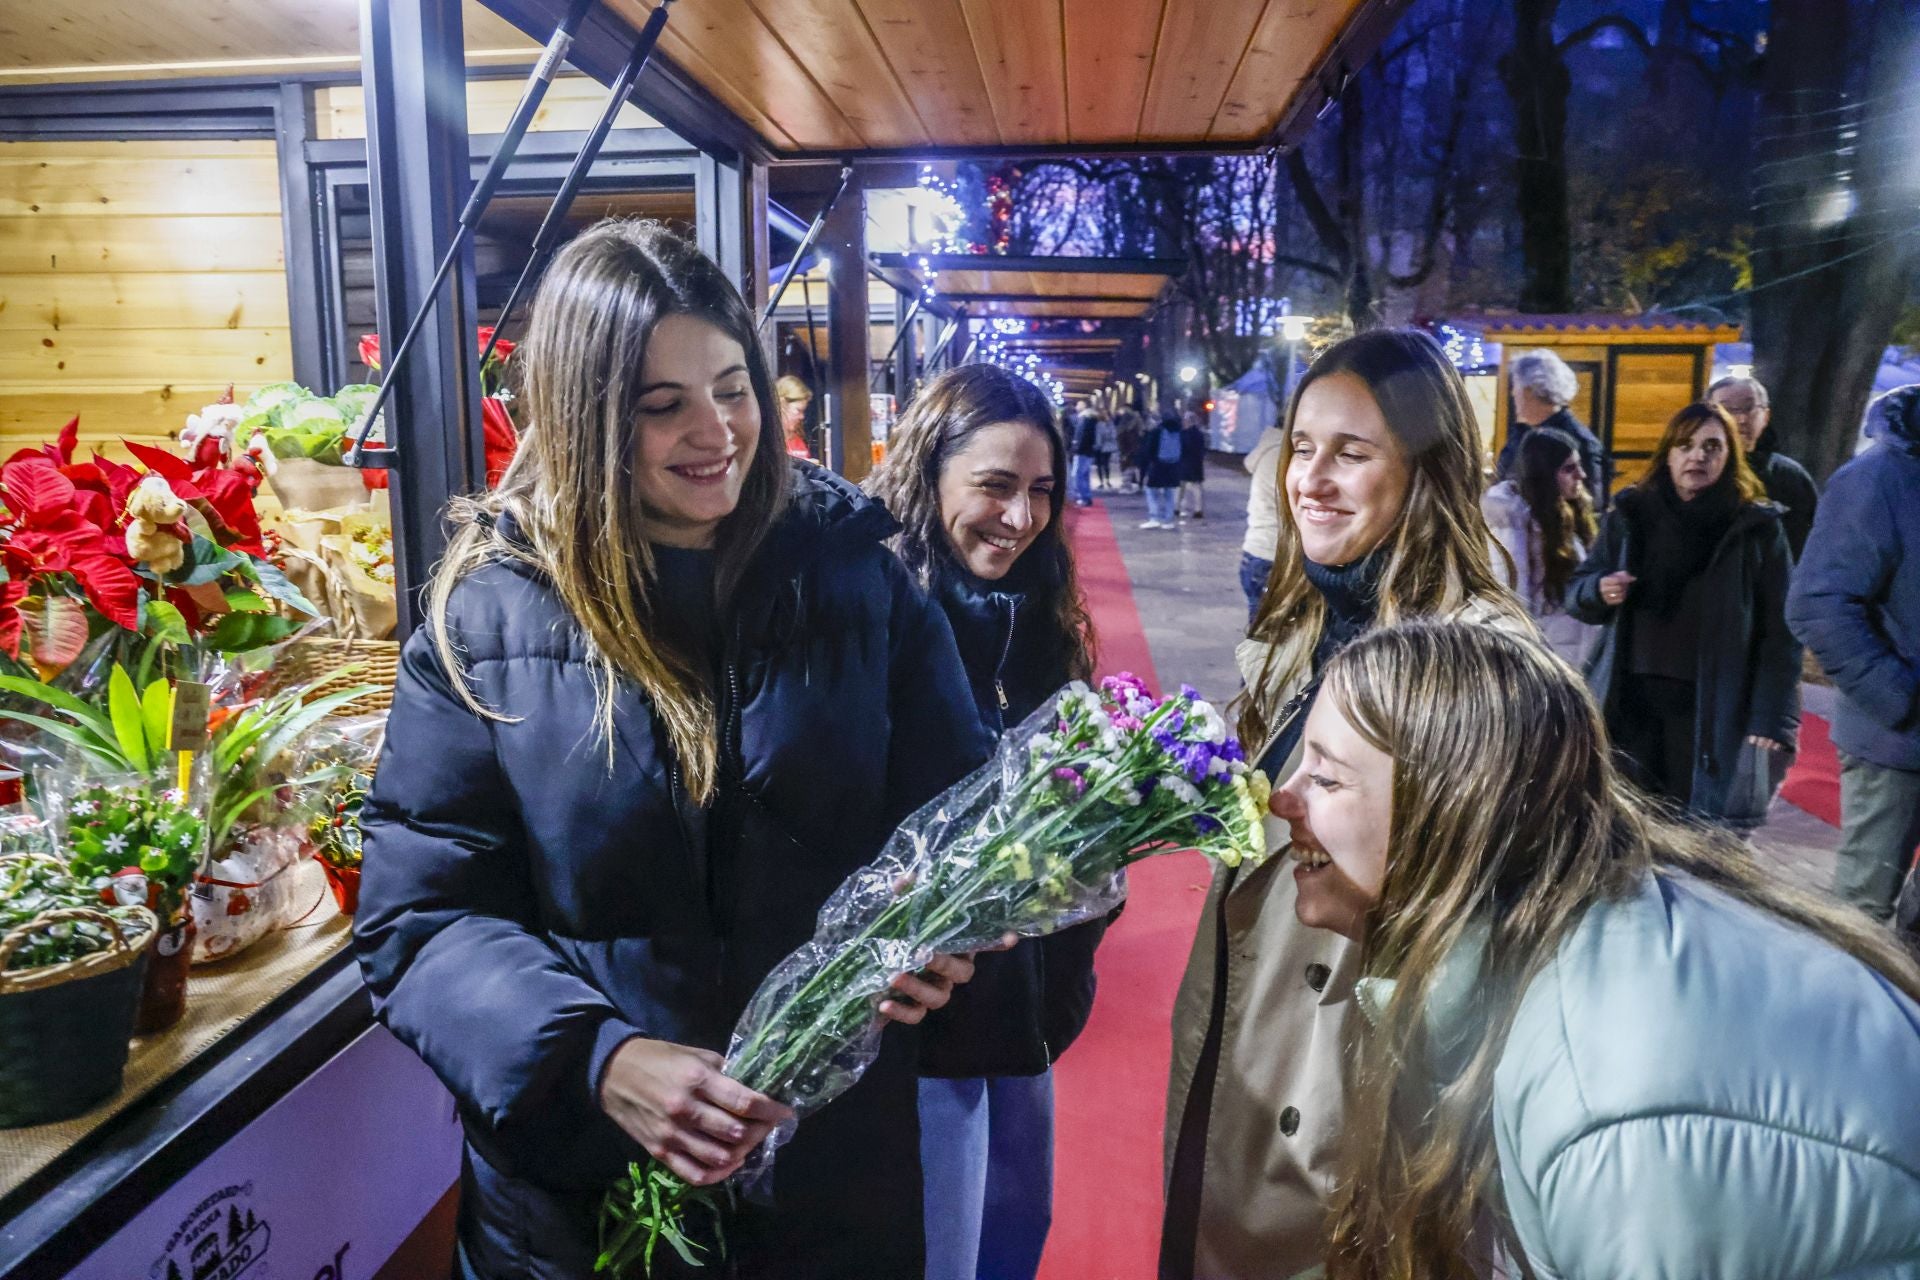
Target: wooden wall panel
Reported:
[(137, 280), (144, 300), (1648, 389), (573, 103), (123, 242)]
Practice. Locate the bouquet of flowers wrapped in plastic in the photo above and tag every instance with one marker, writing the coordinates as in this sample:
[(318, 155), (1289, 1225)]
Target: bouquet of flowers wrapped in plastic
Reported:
[(1035, 841)]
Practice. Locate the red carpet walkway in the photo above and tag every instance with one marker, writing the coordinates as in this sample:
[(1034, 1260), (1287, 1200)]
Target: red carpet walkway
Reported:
[(1111, 1089)]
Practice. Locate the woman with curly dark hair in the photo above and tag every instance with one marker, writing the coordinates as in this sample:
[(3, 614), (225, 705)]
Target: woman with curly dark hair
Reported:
[(977, 473)]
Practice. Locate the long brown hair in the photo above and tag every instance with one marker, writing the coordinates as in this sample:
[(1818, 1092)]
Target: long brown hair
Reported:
[(1508, 818), (1543, 451), (1439, 552), (950, 411), (1680, 432), (571, 490)]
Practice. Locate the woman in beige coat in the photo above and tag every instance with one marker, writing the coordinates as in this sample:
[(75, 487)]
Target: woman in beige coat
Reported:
[(1380, 495)]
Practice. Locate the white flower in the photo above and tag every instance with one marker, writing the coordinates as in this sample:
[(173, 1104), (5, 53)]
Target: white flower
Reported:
[(116, 844), (174, 795), (86, 807), (1129, 797), (1216, 767), (1182, 788), (1207, 723), (1075, 689)]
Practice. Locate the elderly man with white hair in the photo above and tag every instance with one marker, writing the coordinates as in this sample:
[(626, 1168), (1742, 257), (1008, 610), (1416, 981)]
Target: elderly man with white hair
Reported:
[(1543, 387), (1787, 481)]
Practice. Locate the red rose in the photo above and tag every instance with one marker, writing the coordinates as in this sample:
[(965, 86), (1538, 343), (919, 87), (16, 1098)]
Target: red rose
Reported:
[(370, 350)]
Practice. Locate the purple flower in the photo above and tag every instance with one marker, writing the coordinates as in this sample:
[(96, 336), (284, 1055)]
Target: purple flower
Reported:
[(1204, 825), (1123, 684), (1231, 750), (1072, 777), (1123, 721), (1195, 758), (1165, 740), (1190, 693), (1176, 722)]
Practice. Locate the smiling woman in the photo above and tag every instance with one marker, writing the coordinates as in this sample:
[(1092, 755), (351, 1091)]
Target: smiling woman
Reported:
[(620, 780), (1380, 521)]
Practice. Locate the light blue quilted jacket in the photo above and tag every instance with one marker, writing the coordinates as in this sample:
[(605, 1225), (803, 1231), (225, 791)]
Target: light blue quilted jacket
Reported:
[(1694, 1090)]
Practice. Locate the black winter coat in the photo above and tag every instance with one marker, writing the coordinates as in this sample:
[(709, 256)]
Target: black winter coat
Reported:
[(528, 907), (1789, 485), (1024, 1006), (1748, 677), (1156, 473), (1593, 459)]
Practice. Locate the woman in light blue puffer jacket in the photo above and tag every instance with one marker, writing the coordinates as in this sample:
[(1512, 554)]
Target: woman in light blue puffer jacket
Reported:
[(1600, 1046)]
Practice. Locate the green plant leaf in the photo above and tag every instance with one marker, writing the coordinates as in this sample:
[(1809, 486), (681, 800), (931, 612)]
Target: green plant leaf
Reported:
[(166, 623), (108, 753), (280, 587), (156, 709), (85, 714), (247, 602), (129, 726), (239, 632), (205, 562)]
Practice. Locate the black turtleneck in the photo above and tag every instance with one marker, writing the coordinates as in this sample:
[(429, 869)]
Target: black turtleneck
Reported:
[(1352, 593)]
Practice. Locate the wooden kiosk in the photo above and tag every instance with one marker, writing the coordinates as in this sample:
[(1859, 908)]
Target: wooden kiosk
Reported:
[(1634, 371)]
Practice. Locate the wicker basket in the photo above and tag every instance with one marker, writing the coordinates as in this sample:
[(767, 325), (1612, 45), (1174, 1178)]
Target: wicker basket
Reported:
[(330, 664), (64, 1028)]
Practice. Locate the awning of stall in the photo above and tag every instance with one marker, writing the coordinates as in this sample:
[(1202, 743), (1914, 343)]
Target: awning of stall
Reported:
[(1043, 288), (869, 78)]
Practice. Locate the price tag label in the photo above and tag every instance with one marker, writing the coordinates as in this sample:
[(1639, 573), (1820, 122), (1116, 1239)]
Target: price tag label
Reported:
[(191, 704)]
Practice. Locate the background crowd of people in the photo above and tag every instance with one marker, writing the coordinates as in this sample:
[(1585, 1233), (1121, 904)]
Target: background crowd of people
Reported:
[(680, 680)]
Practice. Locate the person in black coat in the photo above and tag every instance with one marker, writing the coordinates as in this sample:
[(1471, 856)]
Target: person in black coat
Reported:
[(673, 690), (1696, 670), (1193, 467), (1786, 481), (976, 474), (1161, 457)]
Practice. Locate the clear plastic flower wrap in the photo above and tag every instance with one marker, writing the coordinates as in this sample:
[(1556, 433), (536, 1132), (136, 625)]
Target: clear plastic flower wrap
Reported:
[(1035, 841)]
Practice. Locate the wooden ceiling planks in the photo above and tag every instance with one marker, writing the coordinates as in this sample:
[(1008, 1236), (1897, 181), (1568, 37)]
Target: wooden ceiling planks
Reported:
[(742, 60), (929, 46), (1288, 46), (829, 38), (1109, 51), (1201, 46), (1063, 283), (1021, 47)]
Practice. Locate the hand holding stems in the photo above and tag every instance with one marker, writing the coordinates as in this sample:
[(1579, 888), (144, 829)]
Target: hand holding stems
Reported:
[(674, 1101)]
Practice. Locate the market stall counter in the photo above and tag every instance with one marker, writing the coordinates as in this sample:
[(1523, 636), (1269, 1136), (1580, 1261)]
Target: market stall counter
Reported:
[(275, 1120)]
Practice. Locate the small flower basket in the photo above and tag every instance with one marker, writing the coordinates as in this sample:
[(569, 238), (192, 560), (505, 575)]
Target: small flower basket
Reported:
[(70, 980)]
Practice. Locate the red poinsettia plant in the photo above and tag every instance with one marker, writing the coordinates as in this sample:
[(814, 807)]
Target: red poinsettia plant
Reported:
[(499, 436), (166, 549)]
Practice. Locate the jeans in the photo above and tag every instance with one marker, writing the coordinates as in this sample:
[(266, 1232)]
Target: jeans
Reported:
[(1080, 479), (1160, 504), (1253, 581), (1880, 825), (986, 1151)]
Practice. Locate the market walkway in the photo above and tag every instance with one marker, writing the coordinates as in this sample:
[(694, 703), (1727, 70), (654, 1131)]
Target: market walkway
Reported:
[(1168, 607)]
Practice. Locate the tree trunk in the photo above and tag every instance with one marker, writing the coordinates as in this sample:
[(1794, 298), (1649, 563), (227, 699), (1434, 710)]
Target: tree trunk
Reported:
[(1835, 249), (1535, 75)]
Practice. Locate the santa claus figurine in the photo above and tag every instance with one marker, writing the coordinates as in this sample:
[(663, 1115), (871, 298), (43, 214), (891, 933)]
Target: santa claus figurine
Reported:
[(207, 439)]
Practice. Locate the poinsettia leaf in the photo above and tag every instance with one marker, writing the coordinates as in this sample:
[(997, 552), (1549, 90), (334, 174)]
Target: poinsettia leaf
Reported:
[(57, 626), (112, 587), (165, 623), (36, 488), (129, 726), (177, 471), (68, 439), (279, 586), (205, 562)]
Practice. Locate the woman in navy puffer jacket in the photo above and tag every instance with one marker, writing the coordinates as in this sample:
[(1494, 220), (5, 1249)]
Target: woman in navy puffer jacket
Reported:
[(671, 694)]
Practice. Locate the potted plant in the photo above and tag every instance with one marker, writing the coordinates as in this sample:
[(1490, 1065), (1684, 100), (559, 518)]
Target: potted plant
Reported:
[(70, 980)]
